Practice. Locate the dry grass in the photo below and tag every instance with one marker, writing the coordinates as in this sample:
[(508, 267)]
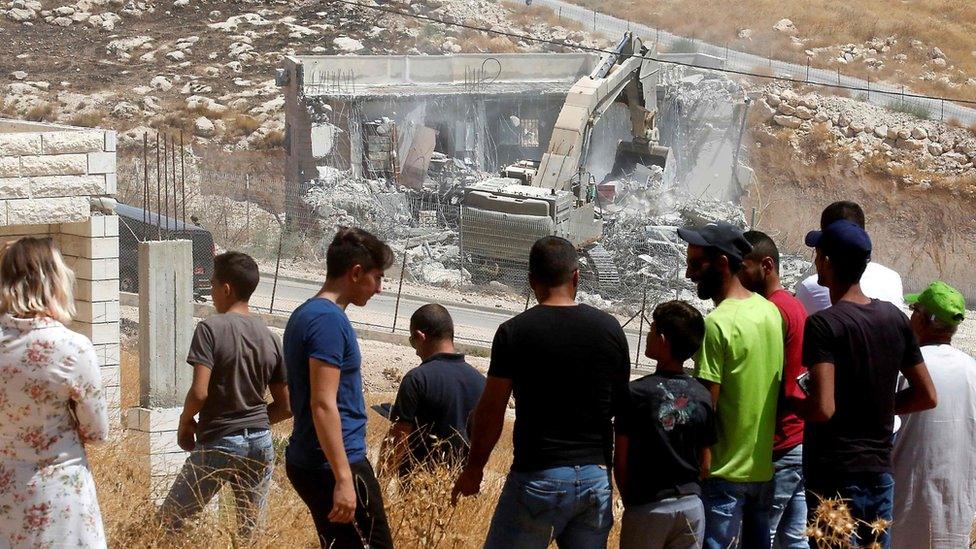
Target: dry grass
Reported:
[(88, 119), (948, 24), (421, 517), (525, 16), (42, 112)]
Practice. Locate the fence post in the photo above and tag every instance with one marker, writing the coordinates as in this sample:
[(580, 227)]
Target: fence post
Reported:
[(808, 70), (274, 287), (594, 20), (640, 330), (396, 308), (942, 116)]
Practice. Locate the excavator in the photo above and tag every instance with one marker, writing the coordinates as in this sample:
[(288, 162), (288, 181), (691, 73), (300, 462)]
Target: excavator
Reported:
[(501, 217)]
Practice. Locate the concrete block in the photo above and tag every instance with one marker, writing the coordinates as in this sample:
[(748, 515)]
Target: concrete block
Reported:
[(111, 223), (168, 464), (153, 419), (16, 144), (94, 269), (105, 247), (165, 321), (14, 187), (110, 375), (47, 211), (9, 166), (96, 312), (28, 230), (57, 164), (104, 332), (97, 290), (113, 397), (108, 353), (67, 185), (164, 442), (111, 138), (101, 162), (111, 184), (65, 142)]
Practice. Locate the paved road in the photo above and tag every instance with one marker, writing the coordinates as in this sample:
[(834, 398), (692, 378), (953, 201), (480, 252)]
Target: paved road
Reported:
[(474, 324), (613, 28)]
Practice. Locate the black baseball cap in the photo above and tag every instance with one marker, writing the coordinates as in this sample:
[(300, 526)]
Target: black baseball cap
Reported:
[(842, 237), (724, 237)]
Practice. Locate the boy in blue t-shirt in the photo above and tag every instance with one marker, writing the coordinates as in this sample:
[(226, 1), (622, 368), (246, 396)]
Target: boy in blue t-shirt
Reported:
[(662, 439), (326, 455)]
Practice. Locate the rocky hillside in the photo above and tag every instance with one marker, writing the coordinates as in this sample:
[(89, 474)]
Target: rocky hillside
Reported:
[(207, 66)]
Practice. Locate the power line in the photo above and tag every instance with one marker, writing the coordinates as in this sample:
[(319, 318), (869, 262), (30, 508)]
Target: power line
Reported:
[(581, 47)]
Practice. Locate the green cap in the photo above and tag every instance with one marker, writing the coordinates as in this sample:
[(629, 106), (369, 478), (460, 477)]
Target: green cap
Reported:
[(942, 301)]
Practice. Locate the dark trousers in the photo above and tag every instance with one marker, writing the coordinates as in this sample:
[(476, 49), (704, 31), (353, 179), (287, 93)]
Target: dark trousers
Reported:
[(370, 529)]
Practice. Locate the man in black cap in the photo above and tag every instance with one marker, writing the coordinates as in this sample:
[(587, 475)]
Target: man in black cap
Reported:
[(854, 351), (741, 364)]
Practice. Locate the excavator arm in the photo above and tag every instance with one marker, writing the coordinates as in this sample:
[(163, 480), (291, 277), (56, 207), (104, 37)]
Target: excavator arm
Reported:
[(620, 76)]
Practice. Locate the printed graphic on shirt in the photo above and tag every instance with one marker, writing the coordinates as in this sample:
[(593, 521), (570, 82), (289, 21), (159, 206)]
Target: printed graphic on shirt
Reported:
[(676, 410)]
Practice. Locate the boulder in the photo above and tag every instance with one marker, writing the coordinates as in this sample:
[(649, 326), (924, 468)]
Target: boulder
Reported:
[(934, 149), (787, 121), (766, 111), (904, 134), (810, 101), (790, 96), (844, 120), (176, 56), (821, 117), (910, 144), (18, 75), (125, 110), (745, 34), (881, 132), (61, 21), (936, 53), (919, 132), (803, 113), (346, 44), (785, 26), (941, 63), (786, 108), (892, 133), (203, 127), (21, 15), (161, 83), (773, 100)]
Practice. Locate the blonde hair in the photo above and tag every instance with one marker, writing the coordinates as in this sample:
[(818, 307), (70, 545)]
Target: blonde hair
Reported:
[(34, 281)]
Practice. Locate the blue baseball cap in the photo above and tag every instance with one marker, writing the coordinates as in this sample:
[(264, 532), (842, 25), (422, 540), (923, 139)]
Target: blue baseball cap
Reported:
[(842, 237)]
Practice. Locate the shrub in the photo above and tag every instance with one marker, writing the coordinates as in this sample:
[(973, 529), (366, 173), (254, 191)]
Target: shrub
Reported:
[(42, 112)]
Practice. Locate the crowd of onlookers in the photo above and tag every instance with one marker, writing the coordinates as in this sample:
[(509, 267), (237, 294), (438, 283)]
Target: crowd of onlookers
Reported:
[(847, 391)]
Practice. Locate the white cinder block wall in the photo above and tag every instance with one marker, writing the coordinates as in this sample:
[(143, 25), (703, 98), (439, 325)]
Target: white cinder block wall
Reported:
[(50, 176)]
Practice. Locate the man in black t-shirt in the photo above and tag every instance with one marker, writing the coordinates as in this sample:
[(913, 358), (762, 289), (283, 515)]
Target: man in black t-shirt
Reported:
[(430, 413), (854, 351), (567, 365), (663, 436)]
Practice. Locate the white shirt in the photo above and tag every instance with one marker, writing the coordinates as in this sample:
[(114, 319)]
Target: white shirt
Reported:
[(878, 282), (934, 458)]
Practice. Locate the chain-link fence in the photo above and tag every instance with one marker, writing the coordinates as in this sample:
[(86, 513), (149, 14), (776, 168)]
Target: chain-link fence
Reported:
[(798, 71)]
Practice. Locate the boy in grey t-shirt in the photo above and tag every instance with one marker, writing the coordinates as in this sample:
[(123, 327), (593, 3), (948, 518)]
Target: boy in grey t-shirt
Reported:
[(235, 360)]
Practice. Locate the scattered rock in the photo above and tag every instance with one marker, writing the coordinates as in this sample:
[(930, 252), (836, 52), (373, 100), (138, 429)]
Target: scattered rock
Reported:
[(347, 44), (161, 83), (904, 134), (176, 56), (125, 110), (843, 120), (821, 117), (62, 21), (857, 127), (941, 63), (787, 121), (919, 132), (18, 75), (772, 100), (203, 127), (910, 144), (936, 53), (745, 34), (786, 108), (803, 113), (934, 149), (785, 26), (881, 132)]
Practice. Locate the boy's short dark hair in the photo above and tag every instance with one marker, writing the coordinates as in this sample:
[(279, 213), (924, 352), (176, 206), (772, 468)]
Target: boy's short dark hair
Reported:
[(842, 209), (552, 261), (682, 325), (434, 321), (239, 271), (353, 246), (762, 246)]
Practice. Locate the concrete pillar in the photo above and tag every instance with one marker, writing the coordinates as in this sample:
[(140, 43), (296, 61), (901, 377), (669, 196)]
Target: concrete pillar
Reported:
[(165, 329)]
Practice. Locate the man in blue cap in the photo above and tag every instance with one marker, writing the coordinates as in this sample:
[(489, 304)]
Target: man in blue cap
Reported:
[(854, 351), (935, 450)]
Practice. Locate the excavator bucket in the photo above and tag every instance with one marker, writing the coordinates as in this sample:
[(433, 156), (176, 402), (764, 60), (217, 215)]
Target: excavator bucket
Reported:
[(630, 154)]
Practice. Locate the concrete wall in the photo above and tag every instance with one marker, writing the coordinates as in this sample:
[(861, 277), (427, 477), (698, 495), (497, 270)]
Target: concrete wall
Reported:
[(49, 175)]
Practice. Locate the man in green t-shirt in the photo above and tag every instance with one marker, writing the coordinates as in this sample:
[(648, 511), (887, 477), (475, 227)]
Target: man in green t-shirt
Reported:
[(741, 364)]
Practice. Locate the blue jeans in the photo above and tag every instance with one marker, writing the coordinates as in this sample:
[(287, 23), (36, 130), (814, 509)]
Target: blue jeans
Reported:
[(869, 496), (244, 460), (788, 518), (736, 513), (572, 505)]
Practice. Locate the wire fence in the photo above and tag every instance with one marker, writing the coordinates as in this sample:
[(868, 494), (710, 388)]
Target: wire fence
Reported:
[(884, 94)]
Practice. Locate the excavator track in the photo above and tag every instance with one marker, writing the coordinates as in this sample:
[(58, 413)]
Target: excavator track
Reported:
[(602, 270)]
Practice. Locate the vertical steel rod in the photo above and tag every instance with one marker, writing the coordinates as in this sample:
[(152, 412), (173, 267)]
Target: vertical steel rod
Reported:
[(166, 184), (145, 184), (159, 196), (176, 211), (396, 309), (183, 176)]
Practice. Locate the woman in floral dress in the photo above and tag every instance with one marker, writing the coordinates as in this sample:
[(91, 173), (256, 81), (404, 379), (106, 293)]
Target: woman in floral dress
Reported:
[(51, 404)]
